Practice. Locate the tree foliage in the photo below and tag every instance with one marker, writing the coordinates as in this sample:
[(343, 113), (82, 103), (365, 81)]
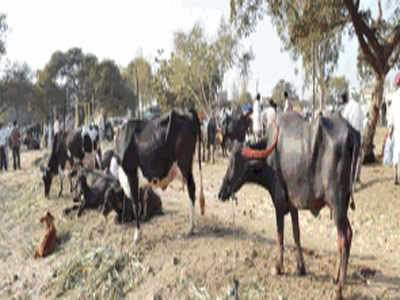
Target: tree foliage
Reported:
[(336, 87), (17, 87), (279, 89), (139, 78), (81, 78), (194, 72)]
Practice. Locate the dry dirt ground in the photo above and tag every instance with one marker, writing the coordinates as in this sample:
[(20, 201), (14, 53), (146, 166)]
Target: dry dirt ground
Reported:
[(94, 261)]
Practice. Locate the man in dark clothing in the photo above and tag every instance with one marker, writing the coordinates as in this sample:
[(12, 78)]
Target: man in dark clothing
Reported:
[(383, 114), (3, 144), (15, 138)]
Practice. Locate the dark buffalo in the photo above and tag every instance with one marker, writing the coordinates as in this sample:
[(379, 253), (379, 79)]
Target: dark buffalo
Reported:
[(158, 147), (209, 138), (68, 146), (234, 128), (91, 189), (305, 166)]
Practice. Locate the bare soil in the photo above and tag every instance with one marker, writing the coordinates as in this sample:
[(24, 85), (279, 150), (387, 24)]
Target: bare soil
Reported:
[(98, 260)]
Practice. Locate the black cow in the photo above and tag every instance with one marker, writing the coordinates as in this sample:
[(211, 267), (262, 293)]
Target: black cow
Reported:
[(234, 128), (66, 147), (114, 199), (157, 147), (91, 189), (209, 138), (306, 166)]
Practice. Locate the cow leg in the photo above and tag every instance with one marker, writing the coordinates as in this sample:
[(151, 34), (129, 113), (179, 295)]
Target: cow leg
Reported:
[(213, 153), (129, 185), (280, 228), (61, 177), (344, 243), (186, 171), (396, 175), (301, 270)]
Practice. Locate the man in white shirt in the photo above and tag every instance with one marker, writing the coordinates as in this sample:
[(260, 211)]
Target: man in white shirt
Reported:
[(394, 125), (269, 114), (288, 103), (3, 144), (353, 113), (257, 124)]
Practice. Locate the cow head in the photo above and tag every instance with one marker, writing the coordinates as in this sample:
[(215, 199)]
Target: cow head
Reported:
[(80, 187), (242, 164), (48, 219), (47, 179), (113, 199)]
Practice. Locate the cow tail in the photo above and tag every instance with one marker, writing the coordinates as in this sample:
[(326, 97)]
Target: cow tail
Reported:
[(198, 134), (353, 170)]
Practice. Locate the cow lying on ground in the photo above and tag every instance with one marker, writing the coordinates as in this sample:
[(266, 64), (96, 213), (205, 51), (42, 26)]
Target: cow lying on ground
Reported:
[(91, 188), (68, 146), (305, 166), (150, 201), (157, 147), (49, 241)]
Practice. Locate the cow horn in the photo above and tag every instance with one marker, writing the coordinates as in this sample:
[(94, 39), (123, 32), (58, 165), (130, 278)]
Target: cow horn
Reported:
[(254, 154)]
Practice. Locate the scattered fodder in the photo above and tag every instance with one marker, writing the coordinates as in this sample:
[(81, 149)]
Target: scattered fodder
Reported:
[(100, 273)]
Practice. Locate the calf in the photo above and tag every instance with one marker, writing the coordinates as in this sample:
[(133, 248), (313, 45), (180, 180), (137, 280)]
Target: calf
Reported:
[(49, 241), (91, 187), (114, 200)]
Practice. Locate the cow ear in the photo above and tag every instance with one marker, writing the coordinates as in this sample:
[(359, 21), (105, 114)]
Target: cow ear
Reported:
[(256, 163)]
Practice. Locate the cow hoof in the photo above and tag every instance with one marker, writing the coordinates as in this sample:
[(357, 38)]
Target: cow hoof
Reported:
[(276, 270), (339, 295), (189, 232), (137, 237), (301, 271)]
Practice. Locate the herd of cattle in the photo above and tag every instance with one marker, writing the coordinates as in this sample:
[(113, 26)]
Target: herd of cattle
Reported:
[(303, 165)]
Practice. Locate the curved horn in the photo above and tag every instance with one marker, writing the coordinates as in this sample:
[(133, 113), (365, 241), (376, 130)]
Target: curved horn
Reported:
[(252, 153)]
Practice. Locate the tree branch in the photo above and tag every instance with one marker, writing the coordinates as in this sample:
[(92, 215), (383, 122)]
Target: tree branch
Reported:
[(395, 42), (362, 29)]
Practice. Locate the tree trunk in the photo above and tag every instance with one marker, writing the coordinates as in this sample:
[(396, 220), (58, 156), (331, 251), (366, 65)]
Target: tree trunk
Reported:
[(76, 114), (369, 131), (313, 79)]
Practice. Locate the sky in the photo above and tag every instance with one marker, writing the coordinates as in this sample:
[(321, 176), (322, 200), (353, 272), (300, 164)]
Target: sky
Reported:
[(119, 30)]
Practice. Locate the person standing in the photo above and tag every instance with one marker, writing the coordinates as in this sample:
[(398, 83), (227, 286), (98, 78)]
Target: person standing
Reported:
[(288, 103), (394, 125), (383, 113), (3, 143), (15, 143), (257, 122)]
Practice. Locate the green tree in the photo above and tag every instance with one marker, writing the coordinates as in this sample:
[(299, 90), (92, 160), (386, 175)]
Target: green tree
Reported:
[(194, 72), (3, 32), (139, 75), (310, 30), (336, 87), (112, 92), (17, 86), (279, 89)]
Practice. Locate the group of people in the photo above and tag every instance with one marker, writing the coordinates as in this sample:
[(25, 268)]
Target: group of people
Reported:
[(10, 137)]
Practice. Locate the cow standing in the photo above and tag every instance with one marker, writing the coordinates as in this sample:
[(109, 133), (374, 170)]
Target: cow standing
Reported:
[(306, 166), (209, 138), (234, 128), (157, 147), (65, 148)]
